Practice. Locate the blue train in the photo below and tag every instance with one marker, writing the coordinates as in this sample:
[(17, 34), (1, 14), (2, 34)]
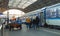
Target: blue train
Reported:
[(49, 15), (52, 16)]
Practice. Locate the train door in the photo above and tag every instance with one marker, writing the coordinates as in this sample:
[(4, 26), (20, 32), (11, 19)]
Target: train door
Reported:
[(42, 20)]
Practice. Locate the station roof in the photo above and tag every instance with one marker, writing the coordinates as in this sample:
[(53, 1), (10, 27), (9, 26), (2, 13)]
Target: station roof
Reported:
[(27, 5)]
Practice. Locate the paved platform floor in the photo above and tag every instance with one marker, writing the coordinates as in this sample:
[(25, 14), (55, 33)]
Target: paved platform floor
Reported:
[(32, 32)]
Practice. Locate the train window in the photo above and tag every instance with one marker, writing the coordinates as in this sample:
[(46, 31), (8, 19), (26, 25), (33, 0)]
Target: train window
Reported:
[(53, 15)]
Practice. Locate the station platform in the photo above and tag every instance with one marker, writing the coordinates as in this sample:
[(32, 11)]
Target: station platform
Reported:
[(40, 32)]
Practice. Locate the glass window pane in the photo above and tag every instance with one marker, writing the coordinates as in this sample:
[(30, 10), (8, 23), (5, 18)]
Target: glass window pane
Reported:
[(21, 3)]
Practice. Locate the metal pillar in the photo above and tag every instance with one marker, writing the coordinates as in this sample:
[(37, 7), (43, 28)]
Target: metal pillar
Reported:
[(2, 31), (7, 17), (2, 28)]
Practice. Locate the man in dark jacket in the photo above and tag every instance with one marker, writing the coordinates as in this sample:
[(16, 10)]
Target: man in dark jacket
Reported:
[(36, 22)]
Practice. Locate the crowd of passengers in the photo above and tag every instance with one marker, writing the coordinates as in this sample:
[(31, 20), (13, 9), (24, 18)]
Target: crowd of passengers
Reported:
[(30, 23)]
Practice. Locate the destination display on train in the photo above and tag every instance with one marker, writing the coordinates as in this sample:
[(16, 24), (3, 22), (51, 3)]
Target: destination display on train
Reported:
[(53, 13)]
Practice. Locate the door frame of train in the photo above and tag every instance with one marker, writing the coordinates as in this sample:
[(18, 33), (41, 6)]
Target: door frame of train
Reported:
[(42, 22), (44, 14), (44, 11)]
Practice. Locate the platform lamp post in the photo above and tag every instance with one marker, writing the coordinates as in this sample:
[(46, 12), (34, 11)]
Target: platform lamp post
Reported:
[(7, 17)]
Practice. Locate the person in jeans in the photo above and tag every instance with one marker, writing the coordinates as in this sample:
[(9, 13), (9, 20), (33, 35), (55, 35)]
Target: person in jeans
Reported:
[(28, 23), (36, 22), (19, 22)]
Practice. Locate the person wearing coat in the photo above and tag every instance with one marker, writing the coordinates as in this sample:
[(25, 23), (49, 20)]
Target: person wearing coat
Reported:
[(36, 22), (28, 23)]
